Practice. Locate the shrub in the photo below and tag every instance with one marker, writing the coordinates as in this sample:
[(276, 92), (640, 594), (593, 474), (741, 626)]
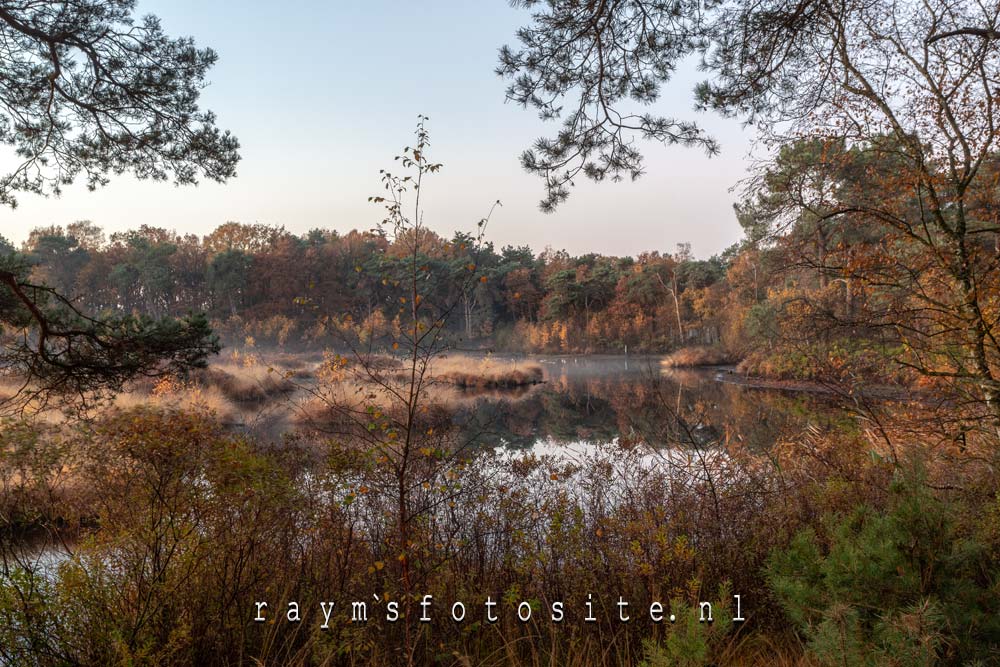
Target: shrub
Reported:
[(899, 586), (690, 642)]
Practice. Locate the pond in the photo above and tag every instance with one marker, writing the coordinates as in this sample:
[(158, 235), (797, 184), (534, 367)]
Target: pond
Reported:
[(613, 399)]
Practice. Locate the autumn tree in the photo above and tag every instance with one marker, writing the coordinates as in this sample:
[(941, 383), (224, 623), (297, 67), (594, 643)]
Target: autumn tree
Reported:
[(246, 238), (912, 84), (915, 106), (388, 416)]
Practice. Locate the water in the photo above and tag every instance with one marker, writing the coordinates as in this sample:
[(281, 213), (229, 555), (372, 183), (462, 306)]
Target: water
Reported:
[(602, 400)]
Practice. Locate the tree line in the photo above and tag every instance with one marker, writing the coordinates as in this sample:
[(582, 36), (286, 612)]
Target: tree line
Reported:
[(849, 269), (281, 288)]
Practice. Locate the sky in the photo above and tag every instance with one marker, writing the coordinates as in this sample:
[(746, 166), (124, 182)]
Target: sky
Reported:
[(323, 94)]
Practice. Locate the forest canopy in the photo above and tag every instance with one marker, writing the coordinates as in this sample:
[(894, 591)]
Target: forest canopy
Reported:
[(279, 287)]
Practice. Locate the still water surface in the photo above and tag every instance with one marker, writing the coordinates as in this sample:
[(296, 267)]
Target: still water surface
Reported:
[(598, 400)]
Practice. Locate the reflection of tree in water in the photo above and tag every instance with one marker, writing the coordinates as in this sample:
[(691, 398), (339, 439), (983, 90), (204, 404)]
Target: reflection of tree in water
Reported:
[(570, 415), (692, 408)]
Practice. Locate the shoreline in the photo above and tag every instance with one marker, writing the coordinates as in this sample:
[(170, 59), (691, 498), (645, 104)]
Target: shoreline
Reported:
[(727, 374)]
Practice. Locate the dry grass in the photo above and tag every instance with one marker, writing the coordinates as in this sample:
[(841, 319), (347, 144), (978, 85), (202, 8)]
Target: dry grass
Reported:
[(344, 392), (247, 384), (224, 390), (487, 373), (690, 357), (298, 365), (191, 398), (342, 399)]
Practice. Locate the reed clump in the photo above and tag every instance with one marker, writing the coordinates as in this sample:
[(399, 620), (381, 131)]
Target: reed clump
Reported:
[(248, 384), (486, 374), (691, 357)]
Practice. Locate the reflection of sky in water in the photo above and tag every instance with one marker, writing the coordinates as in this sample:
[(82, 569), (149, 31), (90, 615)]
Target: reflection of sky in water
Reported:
[(674, 468), (40, 554), (581, 452)]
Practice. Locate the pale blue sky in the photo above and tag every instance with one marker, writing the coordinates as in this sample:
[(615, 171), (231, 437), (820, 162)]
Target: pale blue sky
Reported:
[(324, 94)]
